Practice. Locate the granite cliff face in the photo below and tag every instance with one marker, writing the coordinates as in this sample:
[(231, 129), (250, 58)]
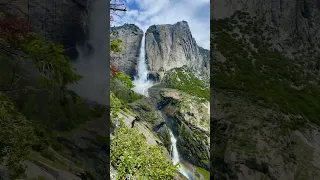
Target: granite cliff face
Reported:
[(294, 24), (172, 46), (59, 21), (189, 121), (264, 56), (131, 37)]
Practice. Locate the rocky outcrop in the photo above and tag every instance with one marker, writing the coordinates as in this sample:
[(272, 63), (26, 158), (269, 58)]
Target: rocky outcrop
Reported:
[(189, 121), (252, 142), (172, 46), (294, 23), (131, 37), (90, 147), (147, 111), (82, 153), (59, 21)]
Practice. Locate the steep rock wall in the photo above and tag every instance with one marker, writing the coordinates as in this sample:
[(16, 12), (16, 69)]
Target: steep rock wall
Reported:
[(131, 37), (173, 46)]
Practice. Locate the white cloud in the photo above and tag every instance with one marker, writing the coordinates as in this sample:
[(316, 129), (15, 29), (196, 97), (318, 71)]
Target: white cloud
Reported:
[(145, 13), (132, 13)]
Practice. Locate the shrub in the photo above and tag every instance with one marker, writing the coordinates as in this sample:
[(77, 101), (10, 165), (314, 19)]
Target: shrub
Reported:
[(121, 86), (16, 137), (54, 66), (133, 156)]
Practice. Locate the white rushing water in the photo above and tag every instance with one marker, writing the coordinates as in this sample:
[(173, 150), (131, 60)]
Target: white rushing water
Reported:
[(141, 82), (175, 157)]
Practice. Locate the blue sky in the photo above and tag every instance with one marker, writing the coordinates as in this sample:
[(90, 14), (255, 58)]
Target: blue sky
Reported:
[(145, 13)]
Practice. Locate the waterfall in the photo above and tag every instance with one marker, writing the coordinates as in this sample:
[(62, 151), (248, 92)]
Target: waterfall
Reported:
[(141, 82), (175, 155), (174, 152), (176, 159), (93, 61)]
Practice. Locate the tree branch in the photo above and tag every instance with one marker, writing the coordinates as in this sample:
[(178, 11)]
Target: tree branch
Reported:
[(118, 9)]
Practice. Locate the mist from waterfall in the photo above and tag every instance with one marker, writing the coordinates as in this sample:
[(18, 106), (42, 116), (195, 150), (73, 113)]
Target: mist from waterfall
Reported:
[(93, 60), (141, 82)]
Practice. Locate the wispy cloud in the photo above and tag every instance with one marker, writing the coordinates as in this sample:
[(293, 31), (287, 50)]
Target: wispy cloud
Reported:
[(145, 13)]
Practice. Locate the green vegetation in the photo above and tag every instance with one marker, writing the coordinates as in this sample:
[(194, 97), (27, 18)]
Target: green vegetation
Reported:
[(191, 141), (16, 135), (55, 68), (205, 173), (263, 74), (133, 156), (34, 100), (121, 85), (115, 46), (184, 80), (145, 107)]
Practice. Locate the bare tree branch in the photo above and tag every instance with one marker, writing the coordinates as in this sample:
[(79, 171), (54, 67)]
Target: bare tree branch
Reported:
[(118, 9)]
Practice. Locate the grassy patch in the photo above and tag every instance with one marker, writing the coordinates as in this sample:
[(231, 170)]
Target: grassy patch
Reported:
[(145, 107), (205, 173), (184, 80)]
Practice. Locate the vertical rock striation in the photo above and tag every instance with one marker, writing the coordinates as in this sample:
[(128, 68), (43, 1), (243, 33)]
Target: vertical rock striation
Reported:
[(296, 22), (172, 46), (131, 36), (59, 21)]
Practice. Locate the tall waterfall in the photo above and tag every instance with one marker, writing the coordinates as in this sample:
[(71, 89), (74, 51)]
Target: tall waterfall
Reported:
[(141, 82)]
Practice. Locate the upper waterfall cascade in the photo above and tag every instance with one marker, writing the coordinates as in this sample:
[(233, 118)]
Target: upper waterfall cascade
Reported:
[(141, 82)]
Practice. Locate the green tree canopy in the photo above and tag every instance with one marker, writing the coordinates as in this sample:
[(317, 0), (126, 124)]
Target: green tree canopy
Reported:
[(49, 59)]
